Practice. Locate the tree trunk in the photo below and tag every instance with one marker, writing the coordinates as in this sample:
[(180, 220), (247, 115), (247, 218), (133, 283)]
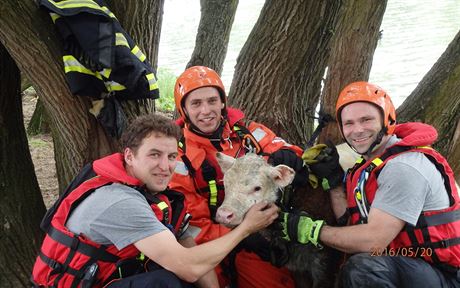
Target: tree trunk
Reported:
[(279, 70), (436, 101), (352, 50), (21, 205), (25, 83), (213, 33), (142, 20), (34, 45), (39, 123), (78, 138)]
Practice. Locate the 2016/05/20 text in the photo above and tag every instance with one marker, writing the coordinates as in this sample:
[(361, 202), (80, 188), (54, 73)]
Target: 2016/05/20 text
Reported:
[(403, 251)]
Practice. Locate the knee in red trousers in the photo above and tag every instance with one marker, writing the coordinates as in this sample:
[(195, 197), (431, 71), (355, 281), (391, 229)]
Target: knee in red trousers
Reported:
[(253, 272)]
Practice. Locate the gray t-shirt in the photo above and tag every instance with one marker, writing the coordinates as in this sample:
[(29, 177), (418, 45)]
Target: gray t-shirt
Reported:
[(115, 214), (409, 184)]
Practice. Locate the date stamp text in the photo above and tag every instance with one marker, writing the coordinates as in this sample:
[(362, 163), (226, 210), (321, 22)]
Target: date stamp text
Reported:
[(403, 251)]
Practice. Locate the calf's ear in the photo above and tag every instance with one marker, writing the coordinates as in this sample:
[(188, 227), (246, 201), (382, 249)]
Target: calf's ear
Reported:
[(225, 162), (282, 175)]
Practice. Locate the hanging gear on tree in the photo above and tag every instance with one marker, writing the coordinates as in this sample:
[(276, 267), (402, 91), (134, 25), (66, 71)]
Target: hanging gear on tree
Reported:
[(101, 61)]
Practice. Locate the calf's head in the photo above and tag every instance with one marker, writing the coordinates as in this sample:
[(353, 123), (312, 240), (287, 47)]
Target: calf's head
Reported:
[(248, 180)]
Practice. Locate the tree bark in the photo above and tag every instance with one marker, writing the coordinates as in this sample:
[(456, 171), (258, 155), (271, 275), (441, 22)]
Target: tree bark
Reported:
[(213, 33), (21, 205), (436, 101), (353, 46), (25, 83), (279, 70)]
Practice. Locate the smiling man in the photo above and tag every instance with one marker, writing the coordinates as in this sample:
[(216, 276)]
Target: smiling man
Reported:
[(400, 200), (209, 126), (118, 225)]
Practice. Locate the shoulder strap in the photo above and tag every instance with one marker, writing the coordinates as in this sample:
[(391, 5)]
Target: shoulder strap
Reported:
[(359, 192), (85, 174), (248, 141), (180, 218), (399, 149)]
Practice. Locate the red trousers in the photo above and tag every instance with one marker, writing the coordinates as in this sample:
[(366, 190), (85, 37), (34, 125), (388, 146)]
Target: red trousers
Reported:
[(253, 272)]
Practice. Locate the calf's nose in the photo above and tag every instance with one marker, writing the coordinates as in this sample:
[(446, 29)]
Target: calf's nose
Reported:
[(224, 215)]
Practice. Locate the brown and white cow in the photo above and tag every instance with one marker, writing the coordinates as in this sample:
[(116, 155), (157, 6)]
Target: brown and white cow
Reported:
[(249, 180)]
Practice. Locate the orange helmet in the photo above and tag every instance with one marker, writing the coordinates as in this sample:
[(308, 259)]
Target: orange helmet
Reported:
[(367, 92), (193, 78)]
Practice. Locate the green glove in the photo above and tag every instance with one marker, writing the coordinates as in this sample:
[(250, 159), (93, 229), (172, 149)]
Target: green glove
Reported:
[(301, 228)]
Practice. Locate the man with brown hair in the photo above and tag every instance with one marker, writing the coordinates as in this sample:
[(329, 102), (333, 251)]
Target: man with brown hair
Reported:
[(119, 209)]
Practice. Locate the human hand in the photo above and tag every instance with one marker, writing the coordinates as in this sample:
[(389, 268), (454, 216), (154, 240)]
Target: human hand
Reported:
[(301, 228), (259, 216), (324, 162)]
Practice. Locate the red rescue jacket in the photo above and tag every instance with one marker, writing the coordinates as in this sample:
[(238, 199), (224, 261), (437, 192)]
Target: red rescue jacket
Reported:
[(436, 236), (68, 260), (199, 176)]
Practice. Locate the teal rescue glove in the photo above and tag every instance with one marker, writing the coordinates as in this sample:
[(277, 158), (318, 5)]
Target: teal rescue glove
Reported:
[(301, 228)]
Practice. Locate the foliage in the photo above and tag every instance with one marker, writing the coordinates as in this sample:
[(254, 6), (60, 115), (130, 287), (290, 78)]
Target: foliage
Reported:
[(166, 82), (37, 143)]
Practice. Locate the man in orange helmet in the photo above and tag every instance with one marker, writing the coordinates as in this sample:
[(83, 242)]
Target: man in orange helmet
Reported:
[(401, 201), (210, 126)]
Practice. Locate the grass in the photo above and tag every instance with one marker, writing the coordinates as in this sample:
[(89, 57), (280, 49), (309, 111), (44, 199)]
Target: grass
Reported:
[(37, 143), (166, 82)]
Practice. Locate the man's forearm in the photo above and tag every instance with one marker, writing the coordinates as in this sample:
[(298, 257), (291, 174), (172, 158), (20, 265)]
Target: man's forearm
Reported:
[(338, 201), (192, 263), (373, 236), (208, 280), (350, 239), (211, 253)]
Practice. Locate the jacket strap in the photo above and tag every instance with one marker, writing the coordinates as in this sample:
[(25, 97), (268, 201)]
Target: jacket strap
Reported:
[(86, 249)]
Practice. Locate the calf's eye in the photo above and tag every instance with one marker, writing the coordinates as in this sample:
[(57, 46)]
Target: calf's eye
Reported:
[(257, 188)]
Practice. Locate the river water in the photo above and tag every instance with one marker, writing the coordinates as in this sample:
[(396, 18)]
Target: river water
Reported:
[(414, 35)]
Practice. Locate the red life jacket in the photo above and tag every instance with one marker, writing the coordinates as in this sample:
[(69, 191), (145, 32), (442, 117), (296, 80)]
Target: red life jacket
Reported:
[(68, 260), (436, 236)]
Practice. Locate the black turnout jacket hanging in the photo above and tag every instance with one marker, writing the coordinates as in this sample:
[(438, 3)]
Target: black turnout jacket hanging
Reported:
[(101, 60)]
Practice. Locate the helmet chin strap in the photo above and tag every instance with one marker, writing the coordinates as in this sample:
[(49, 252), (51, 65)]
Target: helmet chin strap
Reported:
[(377, 141)]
